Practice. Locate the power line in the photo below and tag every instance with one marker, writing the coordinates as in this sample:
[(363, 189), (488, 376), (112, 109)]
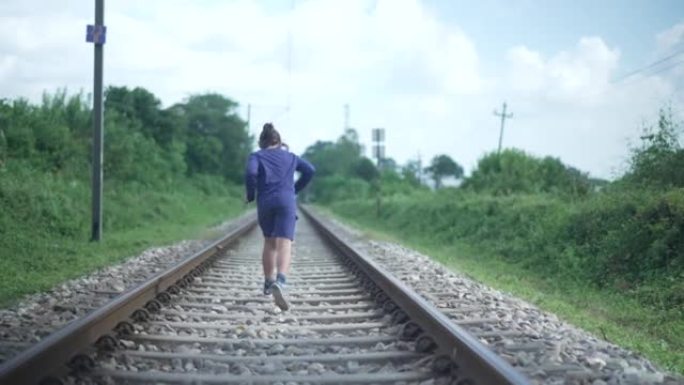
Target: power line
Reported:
[(655, 63), (278, 111), (660, 70), (663, 69), (289, 56), (290, 38)]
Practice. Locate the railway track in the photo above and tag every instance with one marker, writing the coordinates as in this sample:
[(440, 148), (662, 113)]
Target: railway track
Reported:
[(206, 321)]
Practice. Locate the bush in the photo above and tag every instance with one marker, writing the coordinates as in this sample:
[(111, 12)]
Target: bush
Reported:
[(659, 160), (337, 188), (130, 156), (35, 202), (618, 240), (514, 171), (631, 237)]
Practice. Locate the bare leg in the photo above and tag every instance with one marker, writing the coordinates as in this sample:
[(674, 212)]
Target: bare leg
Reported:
[(268, 258), (284, 251)]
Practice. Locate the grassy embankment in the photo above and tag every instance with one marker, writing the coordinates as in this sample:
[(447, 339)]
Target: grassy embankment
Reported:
[(45, 224), (610, 263)]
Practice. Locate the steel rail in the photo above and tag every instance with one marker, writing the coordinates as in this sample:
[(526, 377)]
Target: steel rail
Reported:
[(48, 357), (475, 361)]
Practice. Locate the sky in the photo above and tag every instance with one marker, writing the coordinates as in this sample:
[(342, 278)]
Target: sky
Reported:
[(581, 78)]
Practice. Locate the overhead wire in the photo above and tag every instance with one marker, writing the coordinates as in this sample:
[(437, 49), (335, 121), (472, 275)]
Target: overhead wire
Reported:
[(652, 65), (280, 109), (649, 71), (289, 57)]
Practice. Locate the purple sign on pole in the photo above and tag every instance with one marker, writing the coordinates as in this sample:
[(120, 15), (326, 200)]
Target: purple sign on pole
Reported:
[(96, 34)]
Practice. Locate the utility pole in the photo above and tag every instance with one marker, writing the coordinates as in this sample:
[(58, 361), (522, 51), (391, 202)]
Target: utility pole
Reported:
[(378, 135), (503, 116), (96, 34), (249, 117)]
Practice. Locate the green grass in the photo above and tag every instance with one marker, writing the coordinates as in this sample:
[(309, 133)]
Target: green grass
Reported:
[(44, 228), (621, 320)]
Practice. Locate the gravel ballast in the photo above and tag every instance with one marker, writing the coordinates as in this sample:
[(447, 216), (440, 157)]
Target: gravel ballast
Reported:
[(538, 342), (543, 341), (36, 316)]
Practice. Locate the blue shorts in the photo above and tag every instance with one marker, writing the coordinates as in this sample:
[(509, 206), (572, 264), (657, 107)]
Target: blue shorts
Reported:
[(278, 221)]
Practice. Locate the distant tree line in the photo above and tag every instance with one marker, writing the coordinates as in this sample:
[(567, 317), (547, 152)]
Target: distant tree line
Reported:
[(345, 173), (625, 235), (143, 142)]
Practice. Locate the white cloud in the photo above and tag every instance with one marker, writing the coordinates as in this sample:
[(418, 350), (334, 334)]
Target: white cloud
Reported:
[(340, 47), (670, 38), (7, 64), (568, 106), (528, 70), (398, 65), (578, 75)]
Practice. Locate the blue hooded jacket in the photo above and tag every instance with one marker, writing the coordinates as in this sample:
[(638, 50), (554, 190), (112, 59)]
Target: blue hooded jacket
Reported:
[(269, 176)]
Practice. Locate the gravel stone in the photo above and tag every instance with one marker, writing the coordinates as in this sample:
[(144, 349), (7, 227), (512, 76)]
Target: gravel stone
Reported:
[(548, 350), (598, 361), (36, 316)]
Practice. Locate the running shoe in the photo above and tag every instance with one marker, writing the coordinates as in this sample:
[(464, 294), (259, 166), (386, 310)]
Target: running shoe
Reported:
[(267, 286), (279, 296)]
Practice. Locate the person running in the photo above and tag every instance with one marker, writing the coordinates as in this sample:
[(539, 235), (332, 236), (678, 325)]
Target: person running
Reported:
[(270, 176)]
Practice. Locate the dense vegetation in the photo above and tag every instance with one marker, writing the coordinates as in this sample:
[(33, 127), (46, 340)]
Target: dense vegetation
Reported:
[(170, 171), (144, 143), (542, 217), (167, 172)]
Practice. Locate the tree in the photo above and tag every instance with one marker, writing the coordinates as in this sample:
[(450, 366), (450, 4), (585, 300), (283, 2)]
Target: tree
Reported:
[(443, 166), (412, 172), (514, 171), (366, 170), (142, 106), (130, 155), (388, 164), (18, 130), (660, 158), (56, 125), (3, 148), (322, 155), (4, 108), (218, 142), (338, 157), (337, 162)]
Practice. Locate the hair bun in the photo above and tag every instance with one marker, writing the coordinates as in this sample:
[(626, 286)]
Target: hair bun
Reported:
[(269, 136)]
